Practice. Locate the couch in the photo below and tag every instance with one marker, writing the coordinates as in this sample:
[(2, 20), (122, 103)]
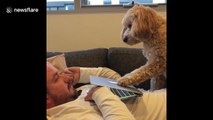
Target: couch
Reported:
[(119, 59)]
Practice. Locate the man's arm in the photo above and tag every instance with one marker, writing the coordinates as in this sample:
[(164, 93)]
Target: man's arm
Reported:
[(110, 105), (100, 71)]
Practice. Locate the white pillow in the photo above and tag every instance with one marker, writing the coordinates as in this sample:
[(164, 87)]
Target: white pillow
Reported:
[(58, 61)]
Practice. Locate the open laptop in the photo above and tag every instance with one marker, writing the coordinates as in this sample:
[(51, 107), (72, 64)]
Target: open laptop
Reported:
[(120, 91)]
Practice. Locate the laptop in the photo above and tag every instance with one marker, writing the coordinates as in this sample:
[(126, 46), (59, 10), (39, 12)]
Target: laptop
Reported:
[(120, 91)]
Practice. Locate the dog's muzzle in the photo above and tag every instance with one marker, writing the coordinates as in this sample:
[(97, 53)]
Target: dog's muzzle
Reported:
[(125, 39)]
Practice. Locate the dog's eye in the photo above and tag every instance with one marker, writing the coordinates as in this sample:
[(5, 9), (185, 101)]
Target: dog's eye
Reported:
[(130, 25)]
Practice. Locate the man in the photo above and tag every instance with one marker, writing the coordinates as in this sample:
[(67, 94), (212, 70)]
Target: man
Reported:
[(96, 103)]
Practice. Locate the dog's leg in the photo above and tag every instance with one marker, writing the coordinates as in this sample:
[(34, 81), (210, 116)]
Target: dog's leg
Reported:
[(158, 82), (143, 73), (138, 75)]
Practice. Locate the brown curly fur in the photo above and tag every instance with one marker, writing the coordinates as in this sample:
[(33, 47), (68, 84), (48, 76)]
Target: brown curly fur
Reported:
[(144, 24)]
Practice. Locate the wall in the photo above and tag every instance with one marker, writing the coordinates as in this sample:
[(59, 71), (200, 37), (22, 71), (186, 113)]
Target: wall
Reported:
[(70, 32)]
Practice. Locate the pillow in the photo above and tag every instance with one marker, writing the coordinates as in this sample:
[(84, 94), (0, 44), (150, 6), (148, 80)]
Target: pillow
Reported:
[(58, 61)]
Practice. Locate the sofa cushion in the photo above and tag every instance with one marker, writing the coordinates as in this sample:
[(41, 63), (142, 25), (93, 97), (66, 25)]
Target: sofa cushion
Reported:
[(58, 61), (51, 54), (96, 57)]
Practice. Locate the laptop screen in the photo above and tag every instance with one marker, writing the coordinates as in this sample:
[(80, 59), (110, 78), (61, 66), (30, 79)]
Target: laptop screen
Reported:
[(113, 84)]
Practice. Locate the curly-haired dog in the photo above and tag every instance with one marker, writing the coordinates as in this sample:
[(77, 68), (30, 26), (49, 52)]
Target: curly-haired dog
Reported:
[(144, 24)]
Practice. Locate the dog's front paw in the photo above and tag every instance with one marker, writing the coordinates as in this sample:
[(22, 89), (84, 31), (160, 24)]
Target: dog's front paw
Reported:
[(124, 81)]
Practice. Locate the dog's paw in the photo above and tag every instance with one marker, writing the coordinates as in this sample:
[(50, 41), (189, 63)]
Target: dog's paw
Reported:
[(124, 81)]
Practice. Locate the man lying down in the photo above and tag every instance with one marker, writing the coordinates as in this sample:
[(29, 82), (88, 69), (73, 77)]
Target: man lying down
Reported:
[(64, 102)]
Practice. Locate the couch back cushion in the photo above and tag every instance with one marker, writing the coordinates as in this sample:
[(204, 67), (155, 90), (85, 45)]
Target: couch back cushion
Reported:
[(51, 54), (125, 60), (96, 57)]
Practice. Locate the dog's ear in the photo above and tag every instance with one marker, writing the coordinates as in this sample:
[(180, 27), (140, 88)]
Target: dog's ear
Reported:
[(144, 23)]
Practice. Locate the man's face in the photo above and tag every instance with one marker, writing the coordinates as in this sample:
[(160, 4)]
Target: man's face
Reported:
[(59, 86)]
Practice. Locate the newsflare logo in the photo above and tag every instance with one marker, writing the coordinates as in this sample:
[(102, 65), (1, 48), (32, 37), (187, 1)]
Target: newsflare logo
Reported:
[(21, 10), (9, 10)]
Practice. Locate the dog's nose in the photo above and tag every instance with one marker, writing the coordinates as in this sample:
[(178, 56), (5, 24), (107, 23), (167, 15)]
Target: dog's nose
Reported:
[(125, 39)]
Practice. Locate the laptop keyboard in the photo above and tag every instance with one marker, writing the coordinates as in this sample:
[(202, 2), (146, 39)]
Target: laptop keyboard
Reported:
[(123, 94)]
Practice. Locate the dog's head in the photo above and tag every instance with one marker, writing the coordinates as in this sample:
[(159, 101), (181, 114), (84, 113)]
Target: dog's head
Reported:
[(139, 23)]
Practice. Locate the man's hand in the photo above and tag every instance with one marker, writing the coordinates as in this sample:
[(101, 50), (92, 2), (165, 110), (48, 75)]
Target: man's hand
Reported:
[(76, 73), (90, 93)]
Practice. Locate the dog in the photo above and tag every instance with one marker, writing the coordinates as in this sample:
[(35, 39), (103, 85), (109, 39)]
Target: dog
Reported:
[(144, 24)]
